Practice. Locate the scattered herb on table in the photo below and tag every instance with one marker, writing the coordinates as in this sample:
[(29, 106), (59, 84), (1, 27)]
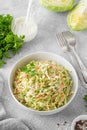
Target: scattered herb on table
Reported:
[(9, 42), (85, 98)]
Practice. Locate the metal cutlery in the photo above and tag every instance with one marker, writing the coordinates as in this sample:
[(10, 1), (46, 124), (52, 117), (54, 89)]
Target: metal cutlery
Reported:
[(62, 39), (69, 37)]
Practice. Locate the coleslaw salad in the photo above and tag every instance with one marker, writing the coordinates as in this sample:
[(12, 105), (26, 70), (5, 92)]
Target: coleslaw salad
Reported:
[(43, 85)]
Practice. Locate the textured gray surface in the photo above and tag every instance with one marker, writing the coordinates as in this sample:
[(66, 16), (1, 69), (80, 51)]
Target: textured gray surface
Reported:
[(48, 23)]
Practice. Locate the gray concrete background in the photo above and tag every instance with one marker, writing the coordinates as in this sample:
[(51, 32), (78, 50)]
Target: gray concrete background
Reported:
[(48, 24)]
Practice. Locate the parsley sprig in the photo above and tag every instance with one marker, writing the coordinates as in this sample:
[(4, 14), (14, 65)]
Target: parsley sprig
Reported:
[(85, 98), (9, 42)]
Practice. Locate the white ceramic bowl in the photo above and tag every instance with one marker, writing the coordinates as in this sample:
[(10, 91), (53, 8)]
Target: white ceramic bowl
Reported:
[(81, 117), (45, 56)]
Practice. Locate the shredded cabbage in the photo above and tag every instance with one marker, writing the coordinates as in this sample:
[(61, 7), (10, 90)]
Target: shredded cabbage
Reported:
[(43, 85)]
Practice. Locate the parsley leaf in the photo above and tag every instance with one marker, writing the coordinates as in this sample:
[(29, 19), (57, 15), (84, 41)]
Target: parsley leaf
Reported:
[(9, 42), (85, 98), (2, 62)]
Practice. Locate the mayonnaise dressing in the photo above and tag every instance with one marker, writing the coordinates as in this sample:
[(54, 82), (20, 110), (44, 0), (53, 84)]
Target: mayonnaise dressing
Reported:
[(25, 25), (29, 28)]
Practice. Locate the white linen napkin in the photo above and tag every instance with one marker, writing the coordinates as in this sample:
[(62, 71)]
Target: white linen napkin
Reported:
[(11, 123)]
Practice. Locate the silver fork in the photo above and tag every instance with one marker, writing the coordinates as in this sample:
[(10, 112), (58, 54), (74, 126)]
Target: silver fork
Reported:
[(62, 43), (71, 41)]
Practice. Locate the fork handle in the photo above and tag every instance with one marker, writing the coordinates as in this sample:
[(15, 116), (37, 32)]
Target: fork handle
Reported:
[(81, 65), (83, 83)]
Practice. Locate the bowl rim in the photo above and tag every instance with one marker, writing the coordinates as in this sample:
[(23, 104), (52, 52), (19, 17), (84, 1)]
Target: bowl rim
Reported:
[(37, 111), (80, 117)]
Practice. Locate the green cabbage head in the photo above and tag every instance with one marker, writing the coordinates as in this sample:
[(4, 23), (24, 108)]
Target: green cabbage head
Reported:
[(58, 5), (77, 18)]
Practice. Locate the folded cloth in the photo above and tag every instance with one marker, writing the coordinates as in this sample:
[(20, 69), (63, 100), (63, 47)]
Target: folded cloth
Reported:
[(2, 112), (11, 123)]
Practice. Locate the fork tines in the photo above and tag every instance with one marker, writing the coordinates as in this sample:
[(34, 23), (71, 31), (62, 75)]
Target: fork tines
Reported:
[(62, 41)]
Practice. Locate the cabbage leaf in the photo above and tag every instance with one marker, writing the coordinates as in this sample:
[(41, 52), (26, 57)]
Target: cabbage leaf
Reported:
[(58, 5), (77, 18)]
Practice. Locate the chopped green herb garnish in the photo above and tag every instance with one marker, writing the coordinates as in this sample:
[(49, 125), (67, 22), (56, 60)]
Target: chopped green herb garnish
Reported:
[(25, 69), (32, 73), (29, 69)]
